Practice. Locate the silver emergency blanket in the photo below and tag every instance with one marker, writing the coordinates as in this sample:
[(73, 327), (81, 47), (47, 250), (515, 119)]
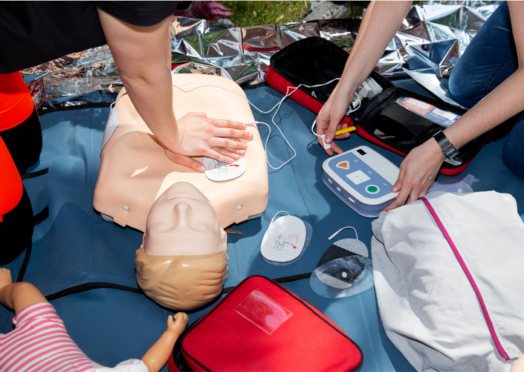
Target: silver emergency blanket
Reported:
[(431, 40)]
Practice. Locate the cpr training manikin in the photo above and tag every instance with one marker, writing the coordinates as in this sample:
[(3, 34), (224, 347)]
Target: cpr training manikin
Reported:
[(134, 170), (183, 261)]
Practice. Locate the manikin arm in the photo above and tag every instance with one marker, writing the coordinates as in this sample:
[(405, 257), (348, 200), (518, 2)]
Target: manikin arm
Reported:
[(157, 356), (142, 54)]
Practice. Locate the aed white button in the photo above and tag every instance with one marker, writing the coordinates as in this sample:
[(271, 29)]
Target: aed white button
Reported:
[(358, 177)]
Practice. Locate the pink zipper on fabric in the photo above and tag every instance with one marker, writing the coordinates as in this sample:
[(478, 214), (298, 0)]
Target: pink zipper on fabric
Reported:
[(470, 278)]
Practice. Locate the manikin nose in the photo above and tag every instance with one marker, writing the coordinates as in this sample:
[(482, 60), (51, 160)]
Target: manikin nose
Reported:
[(182, 212)]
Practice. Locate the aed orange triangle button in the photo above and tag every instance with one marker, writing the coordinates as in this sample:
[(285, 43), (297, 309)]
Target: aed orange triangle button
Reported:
[(343, 164)]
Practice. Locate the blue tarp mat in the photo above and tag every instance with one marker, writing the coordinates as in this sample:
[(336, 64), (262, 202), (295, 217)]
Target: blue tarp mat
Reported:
[(74, 245)]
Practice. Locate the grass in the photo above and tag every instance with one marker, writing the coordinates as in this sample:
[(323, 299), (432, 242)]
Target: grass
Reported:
[(256, 13)]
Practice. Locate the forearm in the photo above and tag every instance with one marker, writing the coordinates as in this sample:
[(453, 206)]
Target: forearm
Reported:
[(151, 92), (501, 104), (142, 54), (157, 355), (379, 26)]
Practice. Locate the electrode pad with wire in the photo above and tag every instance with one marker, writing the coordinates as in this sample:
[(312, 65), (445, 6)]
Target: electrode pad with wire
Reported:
[(344, 269), (285, 240), (289, 91)]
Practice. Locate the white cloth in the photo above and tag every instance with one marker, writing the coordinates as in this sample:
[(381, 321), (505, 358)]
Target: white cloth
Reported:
[(427, 304), (131, 365)]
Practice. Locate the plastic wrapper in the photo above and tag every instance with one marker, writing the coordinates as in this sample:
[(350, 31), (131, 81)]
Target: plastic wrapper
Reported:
[(263, 312), (329, 281), (344, 269)]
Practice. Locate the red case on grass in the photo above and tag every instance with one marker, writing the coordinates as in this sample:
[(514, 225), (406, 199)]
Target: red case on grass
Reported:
[(380, 119), (262, 326)]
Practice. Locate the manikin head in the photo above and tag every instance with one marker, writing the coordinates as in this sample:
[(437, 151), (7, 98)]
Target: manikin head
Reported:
[(183, 261)]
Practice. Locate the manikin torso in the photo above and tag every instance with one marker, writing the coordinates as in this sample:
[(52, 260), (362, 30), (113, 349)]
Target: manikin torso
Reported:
[(134, 170)]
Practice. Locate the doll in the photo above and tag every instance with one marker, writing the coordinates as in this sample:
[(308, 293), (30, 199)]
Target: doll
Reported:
[(40, 341), (183, 261)]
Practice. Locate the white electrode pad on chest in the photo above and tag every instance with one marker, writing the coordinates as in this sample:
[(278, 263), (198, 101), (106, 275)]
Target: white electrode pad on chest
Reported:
[(218, 171), (285, 240)]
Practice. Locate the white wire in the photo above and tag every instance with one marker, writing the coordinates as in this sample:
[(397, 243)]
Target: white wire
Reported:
[(267, 139), (347, 227), (277, 215), (277, 106)]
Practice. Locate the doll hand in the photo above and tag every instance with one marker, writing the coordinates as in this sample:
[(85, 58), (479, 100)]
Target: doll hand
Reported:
[(178, 325), (203, 136), (328, 120)]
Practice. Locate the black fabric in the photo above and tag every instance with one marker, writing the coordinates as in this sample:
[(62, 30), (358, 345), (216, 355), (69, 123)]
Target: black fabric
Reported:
[(315, 61), (32, 33), (24, 141), (16, 230)]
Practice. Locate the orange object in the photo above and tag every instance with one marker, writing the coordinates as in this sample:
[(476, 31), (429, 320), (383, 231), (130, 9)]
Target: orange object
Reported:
[(11, 187), (343, 165), (16, 104)]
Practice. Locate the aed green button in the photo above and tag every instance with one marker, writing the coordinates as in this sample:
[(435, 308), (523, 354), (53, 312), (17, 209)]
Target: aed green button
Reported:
[(372, 189)]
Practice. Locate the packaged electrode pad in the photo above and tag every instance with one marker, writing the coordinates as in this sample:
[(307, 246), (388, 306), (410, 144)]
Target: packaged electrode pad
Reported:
[(427, 111), (369, 88)]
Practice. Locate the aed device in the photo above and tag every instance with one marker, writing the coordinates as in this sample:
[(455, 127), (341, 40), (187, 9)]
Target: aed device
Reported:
[(363, 179)]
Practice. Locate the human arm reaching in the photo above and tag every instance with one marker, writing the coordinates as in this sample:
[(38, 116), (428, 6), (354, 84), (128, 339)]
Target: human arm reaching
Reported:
[(380, 23), (420, 168), (142, 54)]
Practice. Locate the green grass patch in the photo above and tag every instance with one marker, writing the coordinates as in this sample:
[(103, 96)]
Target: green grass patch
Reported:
[(257, 13)]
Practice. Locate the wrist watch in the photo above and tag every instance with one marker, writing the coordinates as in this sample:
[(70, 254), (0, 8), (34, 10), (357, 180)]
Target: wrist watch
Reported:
[(447, 147)]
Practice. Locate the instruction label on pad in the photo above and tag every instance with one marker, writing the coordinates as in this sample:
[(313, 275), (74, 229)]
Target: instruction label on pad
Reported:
[(219, 172)]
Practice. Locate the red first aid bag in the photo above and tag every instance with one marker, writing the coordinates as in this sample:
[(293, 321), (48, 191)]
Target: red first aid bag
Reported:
[(261, 326)]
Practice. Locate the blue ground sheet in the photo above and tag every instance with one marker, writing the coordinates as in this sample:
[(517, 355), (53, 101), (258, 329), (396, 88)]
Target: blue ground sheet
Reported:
[(75, 246)]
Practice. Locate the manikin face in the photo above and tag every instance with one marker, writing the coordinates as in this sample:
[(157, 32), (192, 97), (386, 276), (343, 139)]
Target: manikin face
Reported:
[(182, 221)]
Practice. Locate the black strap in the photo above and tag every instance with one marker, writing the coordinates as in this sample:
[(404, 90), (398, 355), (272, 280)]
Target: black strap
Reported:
[(41, 216), (36, 220), (285, 279), (89, 286), (21, 273), (41, 172), (99, 285)]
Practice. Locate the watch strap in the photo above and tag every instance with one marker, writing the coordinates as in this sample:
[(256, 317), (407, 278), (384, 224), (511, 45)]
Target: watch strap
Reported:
[(447, 147)]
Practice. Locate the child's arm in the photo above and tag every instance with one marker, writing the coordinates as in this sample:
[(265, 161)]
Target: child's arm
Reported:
[(157, 355), (17, 296)]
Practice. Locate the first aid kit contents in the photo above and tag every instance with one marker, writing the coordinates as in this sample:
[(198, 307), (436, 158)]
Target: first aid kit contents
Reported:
[(386, 115), (361, 178), (430, 112), (344, 269), (262, 326), (285, 240)]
